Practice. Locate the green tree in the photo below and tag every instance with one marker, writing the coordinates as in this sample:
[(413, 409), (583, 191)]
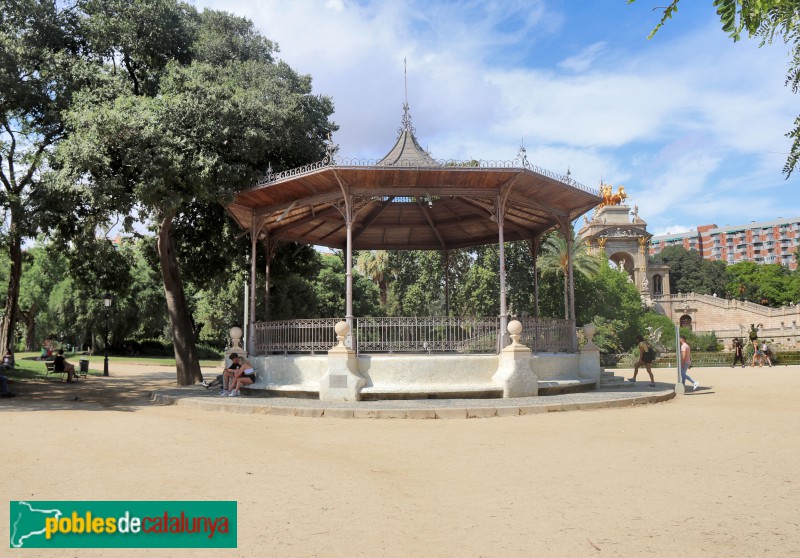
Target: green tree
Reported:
[(44, 269), (690, 273), (609, 295), (417, 283), (768, 20), (475, 285), (520, 278), (41, 68), (554, 260), (198, 114), (375, 265), (767, 284), (330, 291)]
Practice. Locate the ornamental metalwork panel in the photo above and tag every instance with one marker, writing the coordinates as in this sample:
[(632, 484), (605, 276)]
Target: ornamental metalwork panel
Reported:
[(333, 160), (295, 336), (427, 335), (549, 335)]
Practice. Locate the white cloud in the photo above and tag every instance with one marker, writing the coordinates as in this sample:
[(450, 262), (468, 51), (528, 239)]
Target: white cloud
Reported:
[(691, 123), (584, 59)]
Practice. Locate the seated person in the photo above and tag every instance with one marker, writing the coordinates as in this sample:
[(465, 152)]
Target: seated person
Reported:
[(244, 376), (227, 374), (60, 364), (4, 387), (8, 360)]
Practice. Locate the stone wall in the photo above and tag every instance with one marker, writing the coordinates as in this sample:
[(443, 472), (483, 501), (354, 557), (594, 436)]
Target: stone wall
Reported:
[(732, 318)]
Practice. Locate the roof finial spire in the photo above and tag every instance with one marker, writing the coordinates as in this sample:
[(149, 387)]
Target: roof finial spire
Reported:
[(406, 127), (405, 79)]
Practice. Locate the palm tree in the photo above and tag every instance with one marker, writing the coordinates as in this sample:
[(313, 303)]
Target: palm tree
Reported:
[(375, 266), (554, 260)]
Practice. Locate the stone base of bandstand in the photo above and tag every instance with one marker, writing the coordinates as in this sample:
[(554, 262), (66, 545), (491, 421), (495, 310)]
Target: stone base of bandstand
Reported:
[(407, 376), (341, 375)]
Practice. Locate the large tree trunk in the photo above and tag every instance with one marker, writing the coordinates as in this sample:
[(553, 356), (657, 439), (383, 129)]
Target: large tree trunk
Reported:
[(29, 317), (384, 293), (12, 294), (182, 332)]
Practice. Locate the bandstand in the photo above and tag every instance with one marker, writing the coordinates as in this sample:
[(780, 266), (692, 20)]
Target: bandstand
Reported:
[(410, 201)]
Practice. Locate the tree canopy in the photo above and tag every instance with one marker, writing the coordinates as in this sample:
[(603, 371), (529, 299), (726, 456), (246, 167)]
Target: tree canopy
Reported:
[(42, 67), (690, 272), (200, 111)]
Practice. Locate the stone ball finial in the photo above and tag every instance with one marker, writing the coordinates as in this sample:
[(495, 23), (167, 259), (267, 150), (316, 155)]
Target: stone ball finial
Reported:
[(342, 329), (589, 330), (236, 336), (514, 328)]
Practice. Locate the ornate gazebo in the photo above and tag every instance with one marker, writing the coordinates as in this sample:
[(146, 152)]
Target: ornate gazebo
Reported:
[(408, 201)]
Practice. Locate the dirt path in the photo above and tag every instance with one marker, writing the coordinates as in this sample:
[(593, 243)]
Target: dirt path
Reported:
[(709, 474)]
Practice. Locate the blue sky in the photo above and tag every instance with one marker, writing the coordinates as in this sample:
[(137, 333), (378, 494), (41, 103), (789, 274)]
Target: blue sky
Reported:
[(689, 122)]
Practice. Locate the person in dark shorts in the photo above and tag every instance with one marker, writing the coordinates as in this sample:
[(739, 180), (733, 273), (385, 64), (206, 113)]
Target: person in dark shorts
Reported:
[(646, 358), (738, 352)]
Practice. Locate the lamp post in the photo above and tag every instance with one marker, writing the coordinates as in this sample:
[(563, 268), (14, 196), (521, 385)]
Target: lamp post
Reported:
[(107, 303)]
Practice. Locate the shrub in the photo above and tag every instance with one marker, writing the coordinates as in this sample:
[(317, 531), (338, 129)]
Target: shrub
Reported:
[(208, 353), (154, 347)]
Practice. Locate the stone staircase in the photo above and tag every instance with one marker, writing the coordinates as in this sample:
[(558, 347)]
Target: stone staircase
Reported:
[(609, 381)]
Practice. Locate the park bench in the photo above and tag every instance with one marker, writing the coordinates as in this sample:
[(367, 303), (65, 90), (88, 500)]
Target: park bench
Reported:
[(51, 369)]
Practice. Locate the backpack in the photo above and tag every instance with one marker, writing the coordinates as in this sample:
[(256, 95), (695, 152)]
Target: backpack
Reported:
[(650, 355)]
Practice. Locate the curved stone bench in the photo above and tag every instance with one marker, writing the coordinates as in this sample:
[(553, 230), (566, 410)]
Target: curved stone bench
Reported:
[(431, 391)]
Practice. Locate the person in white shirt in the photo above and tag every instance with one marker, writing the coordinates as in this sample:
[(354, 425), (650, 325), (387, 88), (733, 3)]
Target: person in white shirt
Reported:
[(686, 362)]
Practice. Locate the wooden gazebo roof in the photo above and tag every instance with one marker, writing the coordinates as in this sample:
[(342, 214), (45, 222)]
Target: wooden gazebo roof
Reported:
[(408, 200)]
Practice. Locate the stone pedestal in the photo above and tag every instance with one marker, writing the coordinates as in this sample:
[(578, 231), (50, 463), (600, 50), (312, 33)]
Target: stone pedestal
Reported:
[(514, 371), (589, 364), (342, 381)]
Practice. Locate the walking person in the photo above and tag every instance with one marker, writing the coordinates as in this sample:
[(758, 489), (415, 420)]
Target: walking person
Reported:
[(738, 352), (757, 355), (686, 362), (646, 357), (765, 354)]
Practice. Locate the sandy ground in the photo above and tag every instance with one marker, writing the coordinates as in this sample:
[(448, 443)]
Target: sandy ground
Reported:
[(711, 474)]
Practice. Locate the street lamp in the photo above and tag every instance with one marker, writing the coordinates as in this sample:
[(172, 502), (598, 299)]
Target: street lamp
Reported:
[(107, 303)]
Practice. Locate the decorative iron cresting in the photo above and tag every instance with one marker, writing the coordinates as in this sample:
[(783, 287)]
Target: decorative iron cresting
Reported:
[(332, 160)]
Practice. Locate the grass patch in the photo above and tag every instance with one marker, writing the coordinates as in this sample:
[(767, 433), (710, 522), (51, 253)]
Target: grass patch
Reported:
[(27, 367)]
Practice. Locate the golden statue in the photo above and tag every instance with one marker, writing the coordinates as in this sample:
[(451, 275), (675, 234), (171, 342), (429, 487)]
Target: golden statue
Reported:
[(609, 197)]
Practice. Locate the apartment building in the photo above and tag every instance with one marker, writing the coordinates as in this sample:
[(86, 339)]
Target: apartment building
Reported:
[(772, 242)]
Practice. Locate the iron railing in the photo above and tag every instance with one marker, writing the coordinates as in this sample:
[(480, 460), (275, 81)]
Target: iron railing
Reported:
[(549, 335), (413, 335), (427, 335), (295, 336)]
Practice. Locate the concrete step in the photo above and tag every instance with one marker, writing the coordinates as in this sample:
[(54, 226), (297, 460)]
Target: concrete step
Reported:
[(609, 381)]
